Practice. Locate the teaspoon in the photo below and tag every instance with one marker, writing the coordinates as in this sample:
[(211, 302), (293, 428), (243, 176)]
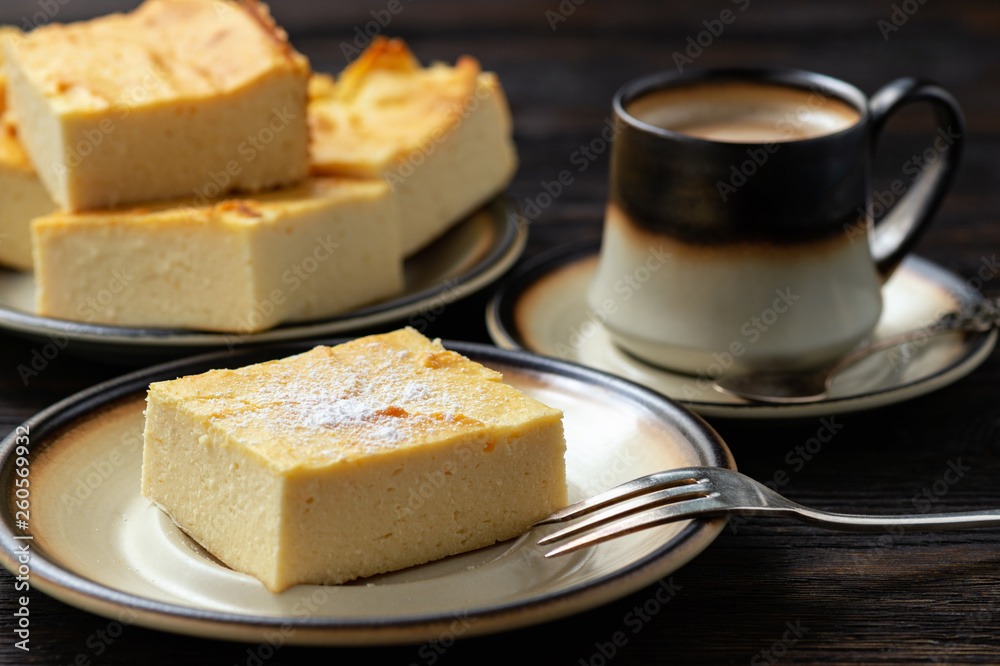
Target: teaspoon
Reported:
[(798, 387)]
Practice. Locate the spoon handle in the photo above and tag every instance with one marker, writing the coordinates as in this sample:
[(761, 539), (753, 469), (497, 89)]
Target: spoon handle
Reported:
[(976, 317)]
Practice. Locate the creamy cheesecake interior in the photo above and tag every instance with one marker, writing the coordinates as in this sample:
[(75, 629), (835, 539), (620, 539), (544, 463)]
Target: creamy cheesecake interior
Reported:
[(239, 266)]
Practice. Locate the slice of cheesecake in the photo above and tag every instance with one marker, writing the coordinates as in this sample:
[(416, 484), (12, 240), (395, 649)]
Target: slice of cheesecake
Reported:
[(348, 461), (180, 98), (311, 251), (440, 136), (22, 198)]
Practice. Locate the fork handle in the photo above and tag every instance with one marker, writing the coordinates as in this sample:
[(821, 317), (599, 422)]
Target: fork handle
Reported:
[(867, 523)]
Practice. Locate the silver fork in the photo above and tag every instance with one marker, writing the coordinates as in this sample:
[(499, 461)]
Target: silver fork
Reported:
[(693, 492)]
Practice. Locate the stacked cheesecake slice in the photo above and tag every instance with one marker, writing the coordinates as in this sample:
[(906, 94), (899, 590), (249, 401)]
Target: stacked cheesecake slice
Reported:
[(187, 154), (439, 136)]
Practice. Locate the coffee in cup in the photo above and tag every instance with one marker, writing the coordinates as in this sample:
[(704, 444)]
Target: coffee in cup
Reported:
[(743, 112)]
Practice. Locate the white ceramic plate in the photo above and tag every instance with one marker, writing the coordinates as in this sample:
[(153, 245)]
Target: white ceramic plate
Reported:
[(98, 545), (469, 256), (542, 308)]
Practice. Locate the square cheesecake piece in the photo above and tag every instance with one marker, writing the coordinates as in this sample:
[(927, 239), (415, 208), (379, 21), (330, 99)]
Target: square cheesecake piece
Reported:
[(239, 266), (343, 462), (440, 136), (179, 98)]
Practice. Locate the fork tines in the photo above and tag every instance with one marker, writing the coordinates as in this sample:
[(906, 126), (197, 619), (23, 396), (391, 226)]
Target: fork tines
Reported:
[(632, 506)]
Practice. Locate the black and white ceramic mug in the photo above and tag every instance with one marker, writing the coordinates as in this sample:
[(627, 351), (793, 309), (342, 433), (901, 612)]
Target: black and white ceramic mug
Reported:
[(739, 233)]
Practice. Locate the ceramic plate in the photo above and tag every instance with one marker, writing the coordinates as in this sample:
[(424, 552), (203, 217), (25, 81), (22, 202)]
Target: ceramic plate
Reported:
[(98, 545), (542, 308), (471, 255)]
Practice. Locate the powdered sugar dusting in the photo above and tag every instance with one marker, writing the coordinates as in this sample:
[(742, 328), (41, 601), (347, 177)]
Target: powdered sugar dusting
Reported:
[(330, 404), (348, 411), (415, 391)]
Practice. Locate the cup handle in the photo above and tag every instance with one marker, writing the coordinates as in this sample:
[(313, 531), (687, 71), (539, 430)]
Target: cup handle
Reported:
[(895, 234)]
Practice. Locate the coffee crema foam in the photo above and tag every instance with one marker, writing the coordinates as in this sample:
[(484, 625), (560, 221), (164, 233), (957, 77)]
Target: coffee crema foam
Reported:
[(741, 112)]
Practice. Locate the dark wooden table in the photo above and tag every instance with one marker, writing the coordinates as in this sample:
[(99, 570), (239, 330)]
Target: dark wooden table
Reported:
[(765, 591)]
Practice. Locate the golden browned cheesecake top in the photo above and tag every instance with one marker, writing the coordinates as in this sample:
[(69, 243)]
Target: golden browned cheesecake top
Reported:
[(164, 50), (384, 105), (378, 394)]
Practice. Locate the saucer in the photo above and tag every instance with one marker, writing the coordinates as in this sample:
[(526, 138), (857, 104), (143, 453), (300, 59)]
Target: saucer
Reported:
[(542, 308)]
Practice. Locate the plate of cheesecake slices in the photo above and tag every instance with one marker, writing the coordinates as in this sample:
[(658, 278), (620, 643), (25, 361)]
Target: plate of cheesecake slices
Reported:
[(98, 542), (169, 185), (469, 256)]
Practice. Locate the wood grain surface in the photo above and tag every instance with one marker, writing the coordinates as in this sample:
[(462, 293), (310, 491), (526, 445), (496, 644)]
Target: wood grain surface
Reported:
[(767, 591)]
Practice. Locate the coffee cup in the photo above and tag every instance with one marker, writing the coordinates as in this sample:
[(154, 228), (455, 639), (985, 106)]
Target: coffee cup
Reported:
[(739, 229)]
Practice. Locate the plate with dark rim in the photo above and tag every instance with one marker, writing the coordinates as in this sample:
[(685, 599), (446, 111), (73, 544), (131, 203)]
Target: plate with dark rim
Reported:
[(541, 307), (469, 256), (97, 544)]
